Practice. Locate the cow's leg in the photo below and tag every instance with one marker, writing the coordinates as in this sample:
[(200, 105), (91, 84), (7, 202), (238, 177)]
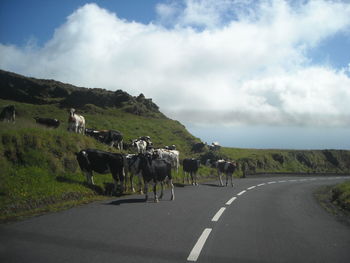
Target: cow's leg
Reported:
[(156, 200), (139, 176), (126, 180), (146, 190), (172, 189), (231, 179), (115, 185), (221, 183), (227, 175), (195, 178), (132, 185), (161, 189), (89, 179)]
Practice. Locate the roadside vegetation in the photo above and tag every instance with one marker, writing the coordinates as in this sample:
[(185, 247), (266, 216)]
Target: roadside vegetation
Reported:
[(341, 195)]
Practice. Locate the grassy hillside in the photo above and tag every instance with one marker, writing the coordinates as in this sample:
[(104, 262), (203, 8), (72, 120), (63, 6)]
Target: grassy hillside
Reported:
[(296, 161), (38, 168)]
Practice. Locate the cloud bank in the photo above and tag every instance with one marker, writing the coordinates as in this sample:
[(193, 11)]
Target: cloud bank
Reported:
[(211, 61)]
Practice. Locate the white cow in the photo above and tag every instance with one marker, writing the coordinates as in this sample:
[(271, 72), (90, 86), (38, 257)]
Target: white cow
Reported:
[(76, 122)]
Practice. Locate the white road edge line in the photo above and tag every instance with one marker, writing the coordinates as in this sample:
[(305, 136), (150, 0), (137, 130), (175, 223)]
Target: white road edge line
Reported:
[(199, 245), (231, 200), (242, 192), (218, 214), (252, 187)]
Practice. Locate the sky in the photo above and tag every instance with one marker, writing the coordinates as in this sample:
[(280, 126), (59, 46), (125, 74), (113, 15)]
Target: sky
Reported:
[(245, 73)]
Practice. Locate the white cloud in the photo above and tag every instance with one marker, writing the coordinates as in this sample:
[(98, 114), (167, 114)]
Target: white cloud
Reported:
[(228, 61)]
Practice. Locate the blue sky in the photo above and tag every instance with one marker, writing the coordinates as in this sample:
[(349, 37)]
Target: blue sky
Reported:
[(257, 74)]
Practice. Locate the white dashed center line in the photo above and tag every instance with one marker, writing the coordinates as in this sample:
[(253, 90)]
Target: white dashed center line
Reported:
[(240, 193), (252, 187), (199, 245), (261, 184), (218, 214), (229, 202)]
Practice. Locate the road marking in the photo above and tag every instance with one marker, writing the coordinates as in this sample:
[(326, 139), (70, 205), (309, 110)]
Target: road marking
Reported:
[(261, 184), (252, 187), (199, 245), (283, 181), (242, 192), (231, 200), (218, 214), (273, 182)]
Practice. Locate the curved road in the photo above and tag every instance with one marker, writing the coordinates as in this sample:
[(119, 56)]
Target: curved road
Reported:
[(273, 219)]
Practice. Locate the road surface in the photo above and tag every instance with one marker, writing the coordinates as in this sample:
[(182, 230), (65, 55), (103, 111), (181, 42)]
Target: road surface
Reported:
[(270, 219)]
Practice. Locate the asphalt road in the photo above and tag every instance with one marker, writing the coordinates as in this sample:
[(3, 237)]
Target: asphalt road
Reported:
[(272, 219)]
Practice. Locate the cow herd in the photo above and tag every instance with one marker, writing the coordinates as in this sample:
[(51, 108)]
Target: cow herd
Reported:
[(149, 165)]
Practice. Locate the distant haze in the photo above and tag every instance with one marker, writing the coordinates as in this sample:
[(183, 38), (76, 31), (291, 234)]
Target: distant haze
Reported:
[(266, 137)]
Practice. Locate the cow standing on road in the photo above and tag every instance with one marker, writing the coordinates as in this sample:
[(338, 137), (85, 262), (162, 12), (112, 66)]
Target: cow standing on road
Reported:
[(102, 162), (133, 169), (190, 168), (155, 170), (8, 114), (223, 167)]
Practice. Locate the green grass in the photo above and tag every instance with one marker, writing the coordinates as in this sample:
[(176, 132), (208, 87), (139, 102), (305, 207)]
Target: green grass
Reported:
[(341, 195)]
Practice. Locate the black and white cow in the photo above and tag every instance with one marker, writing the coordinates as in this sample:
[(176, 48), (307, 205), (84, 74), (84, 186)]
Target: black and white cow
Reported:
[(133, 169), (139, 145), (109, 137), (215, 146), (8, 114), (102, 162), (48, 122), (223, 167), (170, 147), (155, 170), (190, 168), (171, 156)]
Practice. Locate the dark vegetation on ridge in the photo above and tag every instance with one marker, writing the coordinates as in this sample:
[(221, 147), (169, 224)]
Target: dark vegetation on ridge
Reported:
[(38, 168), (39, 91)]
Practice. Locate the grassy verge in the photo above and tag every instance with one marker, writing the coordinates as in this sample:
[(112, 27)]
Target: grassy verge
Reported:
[(335, 199), (341, 195)]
